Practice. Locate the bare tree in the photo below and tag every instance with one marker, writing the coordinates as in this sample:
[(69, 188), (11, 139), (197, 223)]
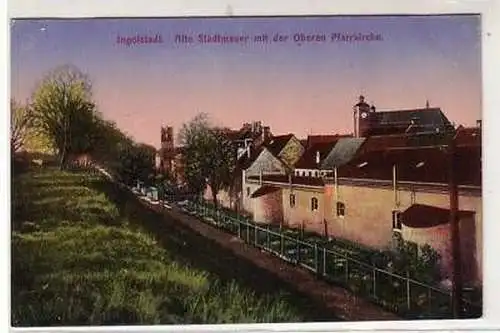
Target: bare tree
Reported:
[(20, 121)]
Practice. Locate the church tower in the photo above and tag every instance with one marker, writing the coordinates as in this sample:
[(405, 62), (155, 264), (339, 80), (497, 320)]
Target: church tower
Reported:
[(167, 149), (361, 117)]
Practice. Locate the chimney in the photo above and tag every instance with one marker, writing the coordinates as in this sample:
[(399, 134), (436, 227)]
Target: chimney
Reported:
[(266, 133), (318, 157), (373, 108)]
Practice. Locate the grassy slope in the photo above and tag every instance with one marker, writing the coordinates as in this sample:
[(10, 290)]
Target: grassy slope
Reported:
[(77, 261)]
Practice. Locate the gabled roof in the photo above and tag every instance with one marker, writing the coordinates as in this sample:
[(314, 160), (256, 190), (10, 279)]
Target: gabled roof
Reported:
[(277, 143), (343, 151), (399, 121), (425, 164), (308, 158), (245, 161)]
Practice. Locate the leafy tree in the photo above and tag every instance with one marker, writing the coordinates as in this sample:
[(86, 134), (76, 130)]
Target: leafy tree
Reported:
[(20, 122), (63, 111), (136, 162), (209, 156)]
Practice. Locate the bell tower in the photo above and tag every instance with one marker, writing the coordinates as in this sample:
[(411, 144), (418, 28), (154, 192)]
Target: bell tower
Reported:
[(167, 149), (361, 117)]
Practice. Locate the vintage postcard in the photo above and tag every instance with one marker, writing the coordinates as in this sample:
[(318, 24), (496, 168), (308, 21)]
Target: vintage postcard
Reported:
[(221, 170)]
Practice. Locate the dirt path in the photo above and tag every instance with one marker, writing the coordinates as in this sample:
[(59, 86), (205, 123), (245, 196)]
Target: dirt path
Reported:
[(337, 300), (201, 245)]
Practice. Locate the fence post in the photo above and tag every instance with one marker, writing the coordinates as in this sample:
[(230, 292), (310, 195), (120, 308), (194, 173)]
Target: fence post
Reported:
[(346, 270), (255, 232), (282, 244), (298, 250), (429, 299), (248, 232), (239, 228), (408, 299), (374, 283), (267, 238), (324, 261), (316, 264)]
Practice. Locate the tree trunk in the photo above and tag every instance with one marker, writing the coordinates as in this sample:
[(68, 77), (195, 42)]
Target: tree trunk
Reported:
[(214, 198), (62, 160)]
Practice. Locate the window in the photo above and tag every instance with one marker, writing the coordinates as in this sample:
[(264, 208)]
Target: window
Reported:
[(314, 204), (310, 173), (396, 220), (248, 191), (292, 200), (316, 174), (340, 209)]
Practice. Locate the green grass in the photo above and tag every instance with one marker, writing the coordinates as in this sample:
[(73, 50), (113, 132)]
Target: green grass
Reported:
[(76, 260)]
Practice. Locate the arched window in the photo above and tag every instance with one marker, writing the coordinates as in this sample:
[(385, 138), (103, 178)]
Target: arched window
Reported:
[(292, 200), (314, 204)]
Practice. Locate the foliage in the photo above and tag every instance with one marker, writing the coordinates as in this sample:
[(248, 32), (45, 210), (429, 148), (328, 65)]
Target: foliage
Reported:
[(421, 263), (209, 156), (136, 162), (63, 111), (93, 268), (20, 122)]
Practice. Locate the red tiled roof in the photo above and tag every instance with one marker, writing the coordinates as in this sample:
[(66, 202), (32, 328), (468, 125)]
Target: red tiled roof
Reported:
[(311, 181), (383, 142), (424, 216), (468, 136), (308, 159), (416, 164), (315, 139)]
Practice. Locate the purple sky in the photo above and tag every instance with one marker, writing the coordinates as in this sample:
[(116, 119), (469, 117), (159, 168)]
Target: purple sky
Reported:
[(302, 89)]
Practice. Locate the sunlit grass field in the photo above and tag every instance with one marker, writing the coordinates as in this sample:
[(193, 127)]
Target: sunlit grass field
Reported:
[(76, 260)]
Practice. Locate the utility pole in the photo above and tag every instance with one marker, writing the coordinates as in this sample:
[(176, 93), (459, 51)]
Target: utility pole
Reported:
[(455, 230)]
